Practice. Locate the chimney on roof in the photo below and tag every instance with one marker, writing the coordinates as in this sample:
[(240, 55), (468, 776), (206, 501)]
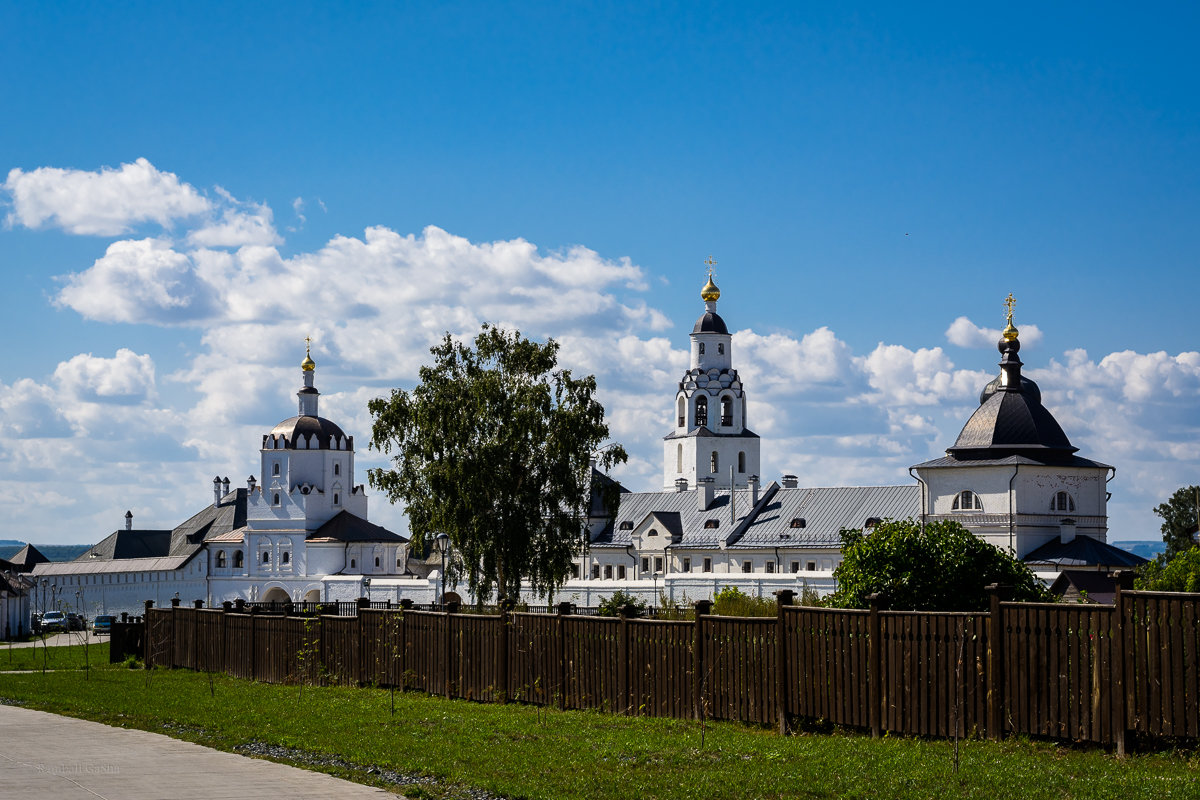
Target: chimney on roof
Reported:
[(790, 481), (681, 484), (216, 491), (704, 493), (224, 486), (752, 481), (250, 484), (128, 520), (1066, 531)]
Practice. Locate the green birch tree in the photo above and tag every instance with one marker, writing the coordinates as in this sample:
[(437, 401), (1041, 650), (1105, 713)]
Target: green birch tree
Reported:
[(493, 448)]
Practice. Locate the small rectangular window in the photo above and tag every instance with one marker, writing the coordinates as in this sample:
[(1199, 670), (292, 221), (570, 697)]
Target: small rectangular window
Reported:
[(608, 571), (658, 564), (687, 565), (770, 566), (812, 566), (595, 571), (645, 565), (795, 566), (574, 570), (621, 572), (747, 566), (708, 565)]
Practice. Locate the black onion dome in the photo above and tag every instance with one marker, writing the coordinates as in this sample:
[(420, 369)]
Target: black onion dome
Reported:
[(710, 322), (328, 433), (1011, 419)]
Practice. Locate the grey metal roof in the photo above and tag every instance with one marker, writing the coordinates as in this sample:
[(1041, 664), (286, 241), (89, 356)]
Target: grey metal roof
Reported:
[(328, 433), (768, 524), (129, 544), (95, 566), (346, 527), (1044, 460), (710, 322), (825, 512), (1082, 551)]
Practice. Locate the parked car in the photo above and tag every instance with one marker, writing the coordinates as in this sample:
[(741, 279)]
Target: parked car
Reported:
[(54, 621), (75, 622), (102, 624)]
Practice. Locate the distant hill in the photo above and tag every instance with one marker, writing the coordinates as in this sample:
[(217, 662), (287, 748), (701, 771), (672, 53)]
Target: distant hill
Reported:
[(1146, 548), (54, 552)]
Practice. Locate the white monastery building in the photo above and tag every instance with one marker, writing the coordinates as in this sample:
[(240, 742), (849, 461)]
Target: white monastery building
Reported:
[(302, 534)]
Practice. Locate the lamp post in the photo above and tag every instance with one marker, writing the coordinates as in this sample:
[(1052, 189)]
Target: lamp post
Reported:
[(654, 599), (442, 543), (367, 587)]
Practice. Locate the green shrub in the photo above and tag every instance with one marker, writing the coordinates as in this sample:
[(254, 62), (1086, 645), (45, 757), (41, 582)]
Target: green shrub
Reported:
[(1178, 574), (611, 606), (733, 602)]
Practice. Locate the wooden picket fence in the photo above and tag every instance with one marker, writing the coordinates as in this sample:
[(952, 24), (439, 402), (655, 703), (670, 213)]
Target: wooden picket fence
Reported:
[(1090, 673)]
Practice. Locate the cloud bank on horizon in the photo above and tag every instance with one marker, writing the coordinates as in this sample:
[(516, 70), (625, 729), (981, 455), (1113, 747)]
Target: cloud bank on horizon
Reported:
[(107, 426)]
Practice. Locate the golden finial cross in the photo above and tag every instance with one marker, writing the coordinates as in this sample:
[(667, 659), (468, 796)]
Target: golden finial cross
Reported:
[(711, 262), (1009, 302), (307, 343)]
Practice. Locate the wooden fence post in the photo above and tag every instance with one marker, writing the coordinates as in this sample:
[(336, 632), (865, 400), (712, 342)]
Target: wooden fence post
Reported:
[(226, 607), (253, 643), (783, 599), (703, 608), (995, 662), (1118, 690), (197, 605), (875, 664), (405, 607), (503, 654), (563, 610), (627, 611), (361, 605), (147, 647), (448, 649)]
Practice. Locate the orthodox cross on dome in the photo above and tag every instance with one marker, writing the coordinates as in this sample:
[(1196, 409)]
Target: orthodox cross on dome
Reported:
[(1010, 332), (710, 293), (308, 365), (710, 262)]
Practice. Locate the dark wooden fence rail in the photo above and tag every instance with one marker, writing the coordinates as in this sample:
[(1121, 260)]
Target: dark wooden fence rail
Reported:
[(1077, 672)]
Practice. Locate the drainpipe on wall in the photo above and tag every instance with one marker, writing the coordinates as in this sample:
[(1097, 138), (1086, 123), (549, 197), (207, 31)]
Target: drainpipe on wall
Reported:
[(924, 488), (1012, 550)]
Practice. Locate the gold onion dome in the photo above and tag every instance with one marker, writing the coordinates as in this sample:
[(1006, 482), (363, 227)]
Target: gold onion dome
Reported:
[(308, 365), (710, 292)]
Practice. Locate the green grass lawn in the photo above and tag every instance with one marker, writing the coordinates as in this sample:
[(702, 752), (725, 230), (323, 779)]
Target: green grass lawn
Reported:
[(517, 751), (69, 657)]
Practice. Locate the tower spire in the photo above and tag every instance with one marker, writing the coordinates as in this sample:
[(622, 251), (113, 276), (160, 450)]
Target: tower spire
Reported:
[(710, 293), (308, 393), (1010, 333)]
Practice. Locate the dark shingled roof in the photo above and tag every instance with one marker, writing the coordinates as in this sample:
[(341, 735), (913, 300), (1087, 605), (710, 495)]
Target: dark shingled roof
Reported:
[(328, 433), (1101, 587), (185, 540), (346, 527), (129, 544), (1082, 551), (27, 558), (710, 322)]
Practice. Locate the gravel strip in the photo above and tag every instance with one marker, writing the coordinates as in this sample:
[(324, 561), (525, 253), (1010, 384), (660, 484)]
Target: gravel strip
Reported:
[(293, 755)]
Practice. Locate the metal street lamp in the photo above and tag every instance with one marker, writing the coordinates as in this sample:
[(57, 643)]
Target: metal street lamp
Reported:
[(654, 599), (442, 543)]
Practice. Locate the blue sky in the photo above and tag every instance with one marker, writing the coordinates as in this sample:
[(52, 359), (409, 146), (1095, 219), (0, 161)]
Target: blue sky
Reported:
[(189, 192)]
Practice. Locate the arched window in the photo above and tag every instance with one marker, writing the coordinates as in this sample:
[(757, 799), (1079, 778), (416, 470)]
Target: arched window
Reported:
[(702, 348), (352, 563), (275, 468), (337, 469), (626, 526), (376, 561), (652, 532), (337, 499), (285, 557), (712, 523), (275, 499), (966, 500), (726, 411), (701, 411), (237, 559), (871, 522), (742, 461), (266, 557), (713, 465), (720, 349), (682, 412), (1062, 502), (679, 458), (221, 559)]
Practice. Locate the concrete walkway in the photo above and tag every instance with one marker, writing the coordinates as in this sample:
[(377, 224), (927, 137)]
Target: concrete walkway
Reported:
[(45, 755)]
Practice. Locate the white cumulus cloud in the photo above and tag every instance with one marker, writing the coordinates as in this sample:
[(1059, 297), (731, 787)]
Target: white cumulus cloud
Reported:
[(108, 202), (965, 333)]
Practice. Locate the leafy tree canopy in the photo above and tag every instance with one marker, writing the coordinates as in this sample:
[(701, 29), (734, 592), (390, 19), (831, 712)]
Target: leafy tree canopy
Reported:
[(940, 566), (1180, 516), (1178, 574), (493, 448)]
